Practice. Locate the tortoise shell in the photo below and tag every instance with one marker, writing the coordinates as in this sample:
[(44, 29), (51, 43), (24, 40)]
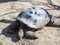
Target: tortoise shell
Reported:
[(34, 17)]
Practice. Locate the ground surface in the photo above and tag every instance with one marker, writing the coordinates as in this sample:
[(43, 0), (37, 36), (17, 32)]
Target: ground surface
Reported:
[(10, 10)]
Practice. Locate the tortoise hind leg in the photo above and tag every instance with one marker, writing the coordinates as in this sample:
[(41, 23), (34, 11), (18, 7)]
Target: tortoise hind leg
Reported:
[(14, 26)]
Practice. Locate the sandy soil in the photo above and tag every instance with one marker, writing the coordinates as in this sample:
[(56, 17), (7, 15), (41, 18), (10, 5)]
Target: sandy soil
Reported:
[(49, 35)]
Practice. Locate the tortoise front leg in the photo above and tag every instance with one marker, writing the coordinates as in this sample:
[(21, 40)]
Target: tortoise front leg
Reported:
[(21, 33), (14, 26)]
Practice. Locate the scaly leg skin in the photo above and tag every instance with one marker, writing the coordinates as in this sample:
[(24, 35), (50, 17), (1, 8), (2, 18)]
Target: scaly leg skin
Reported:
[(31, 35), (14, 26)]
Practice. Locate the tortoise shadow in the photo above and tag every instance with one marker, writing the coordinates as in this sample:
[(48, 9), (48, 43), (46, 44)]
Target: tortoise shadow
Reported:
[(58, 17), (5, 21), (14, 36), (54, 25)]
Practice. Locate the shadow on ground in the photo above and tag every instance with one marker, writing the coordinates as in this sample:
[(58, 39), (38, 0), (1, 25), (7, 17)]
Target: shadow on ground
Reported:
[(2, 1), (14, 37), (5, 21), (54, 25), (53, 5), (48, 4), (58, 17)]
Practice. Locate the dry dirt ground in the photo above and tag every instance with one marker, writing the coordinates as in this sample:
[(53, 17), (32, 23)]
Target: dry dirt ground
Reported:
[(47, 36)]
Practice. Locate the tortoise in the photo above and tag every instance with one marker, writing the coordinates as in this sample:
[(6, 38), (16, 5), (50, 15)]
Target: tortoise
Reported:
[(31, 20)]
